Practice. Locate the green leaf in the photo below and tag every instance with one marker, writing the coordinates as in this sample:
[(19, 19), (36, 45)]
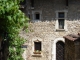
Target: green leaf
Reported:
[(13, 20), (9, 17)]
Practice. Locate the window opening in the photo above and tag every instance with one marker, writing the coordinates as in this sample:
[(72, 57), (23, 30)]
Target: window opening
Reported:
[(61, 15), (37, 16), (37, 46), (66, 2), (32, 3), (61, 23)]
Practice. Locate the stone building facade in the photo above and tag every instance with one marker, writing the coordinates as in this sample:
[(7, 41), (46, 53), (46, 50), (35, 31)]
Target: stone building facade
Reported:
[(50, 20)]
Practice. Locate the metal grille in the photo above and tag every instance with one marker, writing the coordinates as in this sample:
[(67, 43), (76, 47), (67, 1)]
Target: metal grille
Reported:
[(59, 50)]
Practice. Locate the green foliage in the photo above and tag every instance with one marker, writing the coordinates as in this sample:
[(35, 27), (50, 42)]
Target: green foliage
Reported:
[(12, 20)]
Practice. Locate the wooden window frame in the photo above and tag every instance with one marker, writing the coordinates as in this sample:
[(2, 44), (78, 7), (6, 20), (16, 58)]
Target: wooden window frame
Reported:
[(61, 16), (37, 50), (57, 20), (39, 54)]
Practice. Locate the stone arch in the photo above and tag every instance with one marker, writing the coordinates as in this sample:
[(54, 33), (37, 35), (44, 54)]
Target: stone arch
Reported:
[(54, 47)]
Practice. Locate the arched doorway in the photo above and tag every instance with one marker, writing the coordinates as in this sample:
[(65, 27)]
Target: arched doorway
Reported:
[(59, 50), (55, 47)]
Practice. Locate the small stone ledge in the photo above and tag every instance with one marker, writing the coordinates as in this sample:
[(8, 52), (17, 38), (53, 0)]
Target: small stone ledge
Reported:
[(37, 55), (60, 29)]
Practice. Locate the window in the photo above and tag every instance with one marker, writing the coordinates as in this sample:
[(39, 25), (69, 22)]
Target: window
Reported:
[(37, 16), (61, 16), (61, 23), (37, 48), (61, 20), (32, 3), (67, 2)]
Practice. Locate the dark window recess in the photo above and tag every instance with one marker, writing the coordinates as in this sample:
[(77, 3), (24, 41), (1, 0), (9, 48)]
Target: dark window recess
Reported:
[(37, 46), (32, 3), (61, 23), (66, 2), (29, 16), (61, 15), (37, 16), (22, 2)]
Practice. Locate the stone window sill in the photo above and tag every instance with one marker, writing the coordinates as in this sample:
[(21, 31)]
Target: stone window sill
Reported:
[(37, 52), (32, 7), (35, 21), (36, 55), (60, 29)]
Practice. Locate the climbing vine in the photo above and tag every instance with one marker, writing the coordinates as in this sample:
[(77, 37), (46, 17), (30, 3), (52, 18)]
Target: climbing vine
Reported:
[(12, 20)]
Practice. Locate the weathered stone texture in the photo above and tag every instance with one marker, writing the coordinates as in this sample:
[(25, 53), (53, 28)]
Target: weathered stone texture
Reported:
[(45, 29)]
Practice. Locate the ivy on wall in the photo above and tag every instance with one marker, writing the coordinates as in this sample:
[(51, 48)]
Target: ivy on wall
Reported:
[(11, 22)]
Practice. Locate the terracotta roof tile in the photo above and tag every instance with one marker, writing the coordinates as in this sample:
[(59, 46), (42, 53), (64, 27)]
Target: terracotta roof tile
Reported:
[(72, 37)]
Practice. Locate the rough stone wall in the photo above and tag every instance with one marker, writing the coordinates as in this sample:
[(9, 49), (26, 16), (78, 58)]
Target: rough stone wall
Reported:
[(45, 29)]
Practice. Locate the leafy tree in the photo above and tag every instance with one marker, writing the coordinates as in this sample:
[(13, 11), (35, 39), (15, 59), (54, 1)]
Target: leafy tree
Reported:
[(11, 22)]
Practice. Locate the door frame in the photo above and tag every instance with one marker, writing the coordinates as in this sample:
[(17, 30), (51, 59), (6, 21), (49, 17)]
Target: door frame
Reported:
[(54, 47)]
